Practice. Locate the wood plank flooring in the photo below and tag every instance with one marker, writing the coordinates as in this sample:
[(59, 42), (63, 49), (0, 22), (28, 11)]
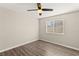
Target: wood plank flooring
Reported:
[(40, 48)]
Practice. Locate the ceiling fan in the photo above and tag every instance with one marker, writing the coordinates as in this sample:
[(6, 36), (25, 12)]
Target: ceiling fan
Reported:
[(40, 9)]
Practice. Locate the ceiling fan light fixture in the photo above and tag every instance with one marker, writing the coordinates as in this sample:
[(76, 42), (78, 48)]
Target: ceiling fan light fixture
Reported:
[(40, 12), (40, 9)]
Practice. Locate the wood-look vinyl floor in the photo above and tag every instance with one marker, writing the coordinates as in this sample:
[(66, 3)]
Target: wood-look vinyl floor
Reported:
[(40, 48)]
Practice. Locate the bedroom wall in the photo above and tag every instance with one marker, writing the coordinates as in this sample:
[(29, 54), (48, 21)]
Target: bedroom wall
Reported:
[(71, 30), (16, 29)]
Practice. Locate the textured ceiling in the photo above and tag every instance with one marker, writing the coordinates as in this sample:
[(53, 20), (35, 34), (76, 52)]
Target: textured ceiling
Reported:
[(59, 8)]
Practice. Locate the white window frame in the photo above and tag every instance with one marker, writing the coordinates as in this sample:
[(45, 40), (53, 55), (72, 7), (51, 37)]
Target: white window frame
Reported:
[(53, 26)]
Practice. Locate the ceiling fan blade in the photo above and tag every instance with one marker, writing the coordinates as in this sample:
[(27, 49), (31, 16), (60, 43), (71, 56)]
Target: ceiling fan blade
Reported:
[(32, 10), (39, 6), (45, 9)]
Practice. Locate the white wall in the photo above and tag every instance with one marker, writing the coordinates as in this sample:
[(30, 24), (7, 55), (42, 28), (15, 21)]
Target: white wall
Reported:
[(16, 28), (71, 30)]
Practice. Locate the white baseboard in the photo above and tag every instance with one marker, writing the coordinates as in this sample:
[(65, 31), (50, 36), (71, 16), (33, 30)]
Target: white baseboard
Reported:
[(16, 46), (61, 44)]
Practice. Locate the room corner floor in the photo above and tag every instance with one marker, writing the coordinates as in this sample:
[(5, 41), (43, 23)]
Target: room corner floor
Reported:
[(40, 48)]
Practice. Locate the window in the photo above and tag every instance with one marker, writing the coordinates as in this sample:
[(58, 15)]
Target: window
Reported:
[(55, 26)]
